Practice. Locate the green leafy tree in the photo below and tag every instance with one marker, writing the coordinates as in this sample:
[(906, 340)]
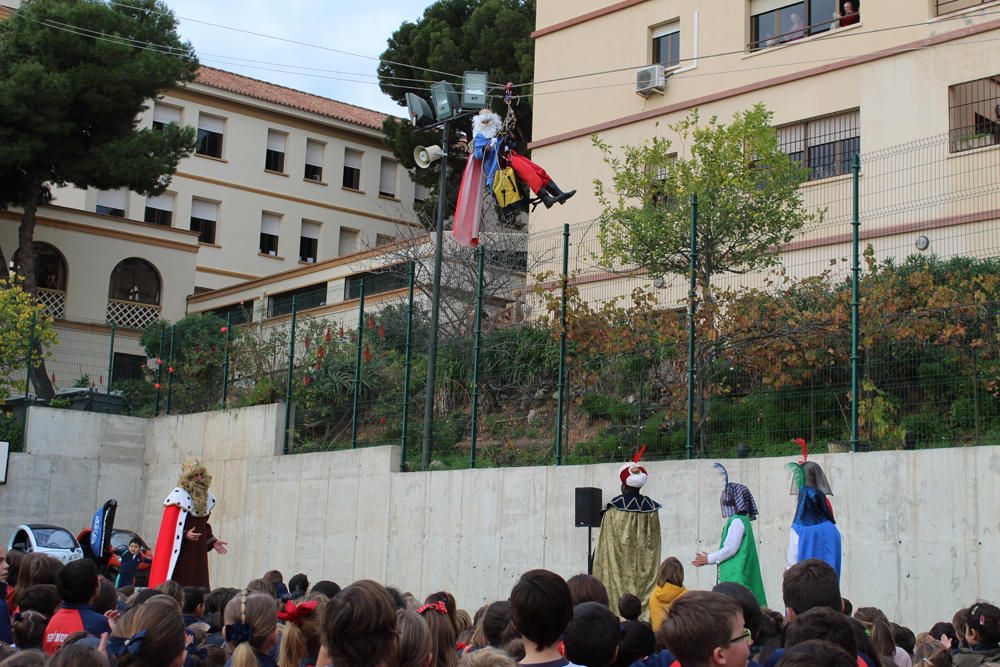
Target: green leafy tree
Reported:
[(199, 345), (16, 310), (749, 204), (74, 77), (454, 36)]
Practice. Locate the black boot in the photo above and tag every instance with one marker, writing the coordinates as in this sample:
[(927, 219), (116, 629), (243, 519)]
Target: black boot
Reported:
[(547, 197), (560, 196)]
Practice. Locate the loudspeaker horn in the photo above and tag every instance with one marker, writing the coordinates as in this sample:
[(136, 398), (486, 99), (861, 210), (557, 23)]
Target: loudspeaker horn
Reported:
[(425, 155)]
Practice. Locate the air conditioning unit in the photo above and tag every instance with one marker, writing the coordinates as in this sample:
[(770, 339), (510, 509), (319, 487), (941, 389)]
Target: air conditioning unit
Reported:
[(650, 79)]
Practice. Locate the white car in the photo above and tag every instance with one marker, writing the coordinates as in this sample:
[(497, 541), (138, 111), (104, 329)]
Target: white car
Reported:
[(43, 538)]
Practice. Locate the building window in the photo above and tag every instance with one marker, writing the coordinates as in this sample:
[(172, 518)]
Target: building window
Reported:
[(667, 45), (659, 196), (348, 241), (237, 313), (387, 178), (269, 225), (274, 160), (309, 242), (204, 217), (826, 146), (160, 210), (384, 280), (135, 279), (314, 160), (312, 296), (210, 131), (164, 115), (128, 366), (974, 114), (112, 202), (774, 22), (947, 6), (50, 266), (352, 169), (420, 192)]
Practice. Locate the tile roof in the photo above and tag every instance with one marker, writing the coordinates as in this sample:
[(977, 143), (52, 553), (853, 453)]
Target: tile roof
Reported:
[(289, 97)]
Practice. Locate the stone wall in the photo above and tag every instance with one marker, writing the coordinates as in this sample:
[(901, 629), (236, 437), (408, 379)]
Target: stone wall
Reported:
[(920, 528)]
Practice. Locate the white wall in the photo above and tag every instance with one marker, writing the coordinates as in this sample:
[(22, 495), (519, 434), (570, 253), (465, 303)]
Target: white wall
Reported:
[(920, 530)]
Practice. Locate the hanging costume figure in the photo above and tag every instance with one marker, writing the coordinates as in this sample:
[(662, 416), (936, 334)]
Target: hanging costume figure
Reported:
[(492, 151), (185, 536), (737, 554), (814, 531), (628, 545)]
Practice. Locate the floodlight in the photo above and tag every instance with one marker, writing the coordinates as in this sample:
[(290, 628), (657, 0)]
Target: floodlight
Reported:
[(474, 90), (420, 111), (445, 100)]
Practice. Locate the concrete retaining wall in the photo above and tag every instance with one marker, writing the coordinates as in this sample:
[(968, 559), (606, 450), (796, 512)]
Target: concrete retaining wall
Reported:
[(920, 528)]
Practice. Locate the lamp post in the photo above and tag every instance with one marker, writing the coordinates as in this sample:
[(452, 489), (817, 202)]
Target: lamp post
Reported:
[(446, 109)]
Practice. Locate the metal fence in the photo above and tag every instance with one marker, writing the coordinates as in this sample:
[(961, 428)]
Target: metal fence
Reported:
[(583, 361)]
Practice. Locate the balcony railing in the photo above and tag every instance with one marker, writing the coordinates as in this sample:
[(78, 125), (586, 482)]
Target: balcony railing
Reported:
[(132, 314), (804, 31), (948, 6), (53, 301)]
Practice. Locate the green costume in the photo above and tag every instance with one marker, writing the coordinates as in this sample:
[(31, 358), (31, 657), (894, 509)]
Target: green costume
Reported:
[(743, 567)]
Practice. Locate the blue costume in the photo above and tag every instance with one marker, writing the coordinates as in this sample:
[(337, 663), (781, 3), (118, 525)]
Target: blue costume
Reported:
[(814, 531)]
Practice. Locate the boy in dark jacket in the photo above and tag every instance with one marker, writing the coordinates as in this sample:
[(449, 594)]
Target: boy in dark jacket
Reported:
[(130, 561)]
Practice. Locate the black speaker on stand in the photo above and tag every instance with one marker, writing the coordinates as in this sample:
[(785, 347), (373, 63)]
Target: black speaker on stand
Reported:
[(588, 513)]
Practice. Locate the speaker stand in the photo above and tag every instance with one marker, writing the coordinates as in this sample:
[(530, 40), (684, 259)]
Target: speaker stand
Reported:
[(590, 549)]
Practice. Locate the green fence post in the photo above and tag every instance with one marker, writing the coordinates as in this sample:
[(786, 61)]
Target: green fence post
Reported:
[(159, 376), (225, 362), (111, 369), (28, 361), (291, 367), (560, 403), (171, 370), (692, 293), (855, 287), (406, 369), (476, 349), (357, 366)]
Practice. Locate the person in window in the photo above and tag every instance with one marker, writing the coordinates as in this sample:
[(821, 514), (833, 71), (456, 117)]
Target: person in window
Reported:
[(849, 14), (798, 30)]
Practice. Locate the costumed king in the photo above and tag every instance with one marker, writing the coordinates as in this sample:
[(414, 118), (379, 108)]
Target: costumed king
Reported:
[(185, 536), (628, 546), (737, 555), (814, 532)]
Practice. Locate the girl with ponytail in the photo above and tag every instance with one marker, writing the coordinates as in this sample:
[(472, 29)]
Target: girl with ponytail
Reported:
[(251, 626), (302, 633)]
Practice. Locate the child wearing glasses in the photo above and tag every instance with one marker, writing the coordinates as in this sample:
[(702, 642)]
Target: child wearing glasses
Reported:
[(705, 629)]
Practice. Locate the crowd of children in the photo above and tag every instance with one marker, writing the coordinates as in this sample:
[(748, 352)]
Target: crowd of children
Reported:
[(69, 616)]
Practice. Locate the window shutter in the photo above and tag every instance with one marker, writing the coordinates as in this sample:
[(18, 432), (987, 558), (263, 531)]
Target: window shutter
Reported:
[(270, 223), (310, 230), (833, 128), (275, 141), (112, 198), (205, 210), (211, 124), (314, 153), (761, 6), (387, 177), (161, 202), (792, 139), (166, 115), (352, 159)]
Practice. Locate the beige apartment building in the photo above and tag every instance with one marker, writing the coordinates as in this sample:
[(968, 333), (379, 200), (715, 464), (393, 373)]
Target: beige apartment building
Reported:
[(841, 77), (280, 178)]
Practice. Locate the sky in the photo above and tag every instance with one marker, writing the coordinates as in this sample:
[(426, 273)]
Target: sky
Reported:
[(356, 26)]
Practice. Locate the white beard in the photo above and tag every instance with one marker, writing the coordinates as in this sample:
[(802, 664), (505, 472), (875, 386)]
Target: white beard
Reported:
[(486, 123)]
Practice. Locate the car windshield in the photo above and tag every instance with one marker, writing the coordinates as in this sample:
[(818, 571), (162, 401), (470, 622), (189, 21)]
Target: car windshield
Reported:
[(54, 538), (120, 539)]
